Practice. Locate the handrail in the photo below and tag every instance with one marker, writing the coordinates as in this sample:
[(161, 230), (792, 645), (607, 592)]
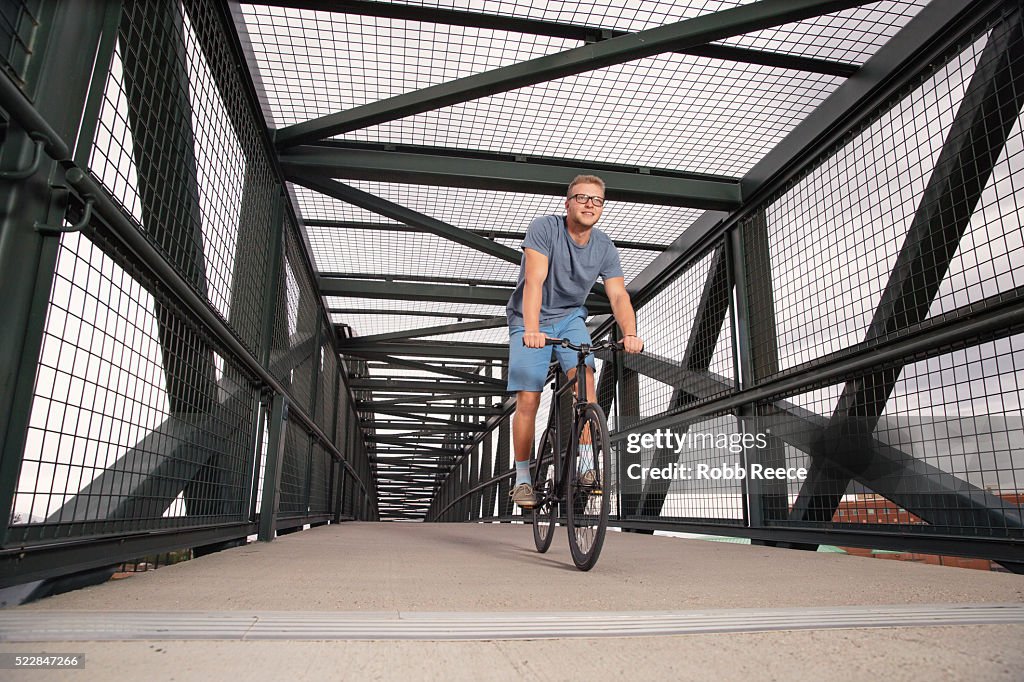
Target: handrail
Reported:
[(13, 100)]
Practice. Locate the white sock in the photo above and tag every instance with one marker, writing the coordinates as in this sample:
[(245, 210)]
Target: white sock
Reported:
[(585, 458), (523, 472)]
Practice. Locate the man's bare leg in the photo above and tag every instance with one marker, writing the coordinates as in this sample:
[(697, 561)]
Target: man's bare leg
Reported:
[(591, 387), (585, 462), (524, 425)]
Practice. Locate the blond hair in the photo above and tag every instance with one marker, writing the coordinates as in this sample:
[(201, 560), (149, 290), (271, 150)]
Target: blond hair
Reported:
[(585, 179)]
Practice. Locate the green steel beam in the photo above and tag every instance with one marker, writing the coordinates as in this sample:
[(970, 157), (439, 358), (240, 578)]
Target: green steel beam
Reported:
[(425, 427), (452, 169), (435, 369), (410, 418), (411, 313), (397, 453), (428, 449), (775, 59), (756, 353), (405, 215), (586, 34), (410, 493), (425, 279), (409, 466), (408, 291), (491, 323), (448, 293), (490, 234), (397, 386), (671, 37), (443, 349), (429, 409), (468, 367), (422, 479), (433, 443), (416, 401)]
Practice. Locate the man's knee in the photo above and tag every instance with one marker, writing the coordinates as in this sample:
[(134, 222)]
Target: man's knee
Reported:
[(571, 374), (527, 403)]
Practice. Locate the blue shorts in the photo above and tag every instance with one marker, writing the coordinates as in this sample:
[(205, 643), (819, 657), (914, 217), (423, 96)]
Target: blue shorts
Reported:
[(528, 367)]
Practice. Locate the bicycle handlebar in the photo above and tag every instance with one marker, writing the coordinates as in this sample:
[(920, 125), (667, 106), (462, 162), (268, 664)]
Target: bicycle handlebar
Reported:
[(584, 348)]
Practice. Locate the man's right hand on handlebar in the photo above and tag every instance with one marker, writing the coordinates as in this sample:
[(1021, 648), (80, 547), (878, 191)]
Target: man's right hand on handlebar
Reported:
[(632, 343), (534, 339)]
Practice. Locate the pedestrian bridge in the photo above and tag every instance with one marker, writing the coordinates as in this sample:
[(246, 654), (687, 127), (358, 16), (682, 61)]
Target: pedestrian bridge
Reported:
[(254, 261)]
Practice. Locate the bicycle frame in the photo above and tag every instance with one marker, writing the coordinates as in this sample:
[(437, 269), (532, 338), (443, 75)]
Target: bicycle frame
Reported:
[(561, 458)]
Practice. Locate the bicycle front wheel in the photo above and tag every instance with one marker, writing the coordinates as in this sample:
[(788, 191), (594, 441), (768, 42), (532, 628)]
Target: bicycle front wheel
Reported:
[(588, 493), (544, 485)]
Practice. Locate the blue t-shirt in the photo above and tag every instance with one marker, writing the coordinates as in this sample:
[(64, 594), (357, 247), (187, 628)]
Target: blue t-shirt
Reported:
[(572, 269)]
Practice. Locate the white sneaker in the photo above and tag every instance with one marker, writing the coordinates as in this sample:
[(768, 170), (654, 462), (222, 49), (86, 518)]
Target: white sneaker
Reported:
[(523, 495)]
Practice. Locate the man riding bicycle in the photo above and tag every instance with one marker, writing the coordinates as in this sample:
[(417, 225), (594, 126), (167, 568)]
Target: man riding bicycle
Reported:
[(562, 258)]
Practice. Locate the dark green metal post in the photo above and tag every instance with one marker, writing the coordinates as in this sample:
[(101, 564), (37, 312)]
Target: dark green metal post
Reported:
[(628, 408), (272, 473), (58, 74), (488, 460), (504, 461), (757, 342)]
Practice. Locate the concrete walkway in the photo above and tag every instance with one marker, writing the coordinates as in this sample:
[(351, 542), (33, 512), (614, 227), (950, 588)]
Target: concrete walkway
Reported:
[(296, 608)]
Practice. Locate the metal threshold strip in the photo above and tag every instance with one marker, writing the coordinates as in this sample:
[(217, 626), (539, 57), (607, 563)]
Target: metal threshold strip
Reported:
[(73, 626)]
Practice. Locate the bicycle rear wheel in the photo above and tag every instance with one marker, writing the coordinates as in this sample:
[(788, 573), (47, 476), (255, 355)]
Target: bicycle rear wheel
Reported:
[(544, 514), (588, 494)]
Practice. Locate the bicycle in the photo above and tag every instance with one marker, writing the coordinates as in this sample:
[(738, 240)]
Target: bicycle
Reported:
[(580, 483)]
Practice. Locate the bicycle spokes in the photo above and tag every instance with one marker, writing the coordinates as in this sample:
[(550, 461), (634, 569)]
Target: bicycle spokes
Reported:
[(544, 514), (588, 504)]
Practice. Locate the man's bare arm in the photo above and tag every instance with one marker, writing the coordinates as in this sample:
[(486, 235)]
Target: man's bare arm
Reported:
[(536, 272), (622, 309)]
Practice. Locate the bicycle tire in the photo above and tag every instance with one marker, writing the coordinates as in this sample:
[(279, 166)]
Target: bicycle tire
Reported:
[(588, 505), (544, 515)]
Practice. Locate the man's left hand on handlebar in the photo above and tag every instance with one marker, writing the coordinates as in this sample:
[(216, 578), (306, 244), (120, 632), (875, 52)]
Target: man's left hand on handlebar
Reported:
[(534, 339), (632, 344)]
